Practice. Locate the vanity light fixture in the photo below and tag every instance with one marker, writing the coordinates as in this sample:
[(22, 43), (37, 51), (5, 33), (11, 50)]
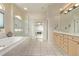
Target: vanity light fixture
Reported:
[(65, 12), (61, 9), (76, 5), (70, 9)]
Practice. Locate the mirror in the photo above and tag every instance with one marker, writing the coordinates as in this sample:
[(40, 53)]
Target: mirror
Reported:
[(69, 22), (1, 20)]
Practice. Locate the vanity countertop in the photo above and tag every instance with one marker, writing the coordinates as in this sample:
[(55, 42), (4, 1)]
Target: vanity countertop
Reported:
[(71, 36)]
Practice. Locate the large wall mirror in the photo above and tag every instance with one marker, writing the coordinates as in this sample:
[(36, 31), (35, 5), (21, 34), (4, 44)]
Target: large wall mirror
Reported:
[(69, 22)]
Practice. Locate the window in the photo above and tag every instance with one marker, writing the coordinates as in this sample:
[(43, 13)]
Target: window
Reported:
[(1, 20)]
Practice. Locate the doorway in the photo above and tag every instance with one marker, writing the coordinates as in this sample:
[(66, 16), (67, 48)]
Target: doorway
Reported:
[(39, 29)]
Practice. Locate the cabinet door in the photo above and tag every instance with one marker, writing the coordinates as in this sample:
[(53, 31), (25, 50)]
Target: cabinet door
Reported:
[(65, 44), (61, 40), (78, 50), (58, 40), (72, 48), (55, 37), (65, 49)]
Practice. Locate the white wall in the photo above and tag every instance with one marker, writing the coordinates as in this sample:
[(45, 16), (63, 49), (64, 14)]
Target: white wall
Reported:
[(53, 18), (7, 19)]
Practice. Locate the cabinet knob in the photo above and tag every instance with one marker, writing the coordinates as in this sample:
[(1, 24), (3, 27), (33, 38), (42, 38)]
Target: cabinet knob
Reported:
[(72, 38)]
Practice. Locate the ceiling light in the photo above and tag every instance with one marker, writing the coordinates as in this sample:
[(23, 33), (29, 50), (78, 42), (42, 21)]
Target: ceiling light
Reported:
[(25, 8), (39, 23), (76, 5), (18, 17)]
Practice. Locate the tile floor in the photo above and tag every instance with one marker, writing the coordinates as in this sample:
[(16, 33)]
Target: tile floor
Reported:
[(33, 47)]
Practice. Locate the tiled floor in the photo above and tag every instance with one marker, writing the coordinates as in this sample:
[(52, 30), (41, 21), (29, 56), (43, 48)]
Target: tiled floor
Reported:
[(33, 47)]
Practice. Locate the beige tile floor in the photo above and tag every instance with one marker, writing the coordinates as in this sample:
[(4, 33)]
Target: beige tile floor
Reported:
[(33, 47)]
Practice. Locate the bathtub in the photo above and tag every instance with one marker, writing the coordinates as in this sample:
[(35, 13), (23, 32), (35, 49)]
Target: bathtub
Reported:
[(8, 43)]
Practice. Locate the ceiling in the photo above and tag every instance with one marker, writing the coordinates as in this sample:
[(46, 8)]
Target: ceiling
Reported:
[(34, 7), (52, 9), (39, 7)]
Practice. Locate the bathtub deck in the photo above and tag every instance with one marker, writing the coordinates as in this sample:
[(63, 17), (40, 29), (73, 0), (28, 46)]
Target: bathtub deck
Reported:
[(7, 44), (32, 47)]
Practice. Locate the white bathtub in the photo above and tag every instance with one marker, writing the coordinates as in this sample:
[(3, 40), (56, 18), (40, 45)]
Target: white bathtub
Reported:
[(5, 42), (8, 42)]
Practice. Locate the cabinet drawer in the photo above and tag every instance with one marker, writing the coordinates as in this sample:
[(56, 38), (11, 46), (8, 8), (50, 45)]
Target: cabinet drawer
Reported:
[(66, 42), (72, 43), (73, 46)]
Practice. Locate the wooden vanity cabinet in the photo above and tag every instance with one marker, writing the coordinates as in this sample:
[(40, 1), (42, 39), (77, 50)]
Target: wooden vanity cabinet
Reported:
[(73, 47), (57, 39), (65, 44), (61, 40), (68, 43)]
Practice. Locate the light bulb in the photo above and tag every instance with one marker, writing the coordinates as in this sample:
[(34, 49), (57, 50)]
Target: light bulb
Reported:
[(70, 9), (76, 5), (65, 12)]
